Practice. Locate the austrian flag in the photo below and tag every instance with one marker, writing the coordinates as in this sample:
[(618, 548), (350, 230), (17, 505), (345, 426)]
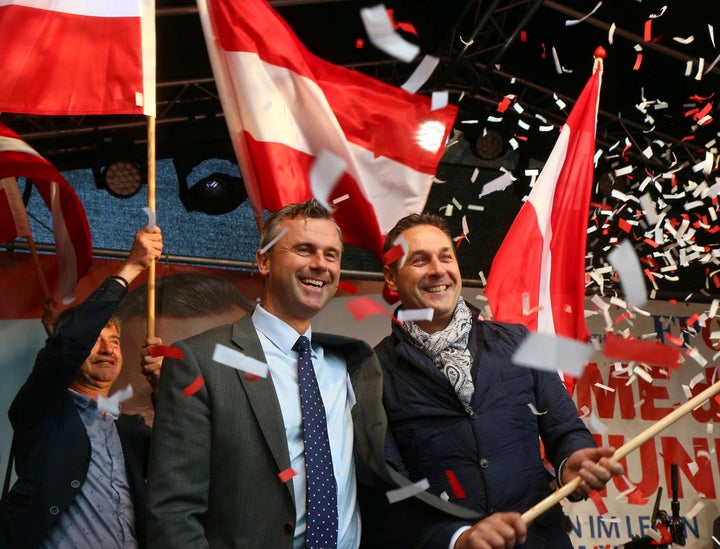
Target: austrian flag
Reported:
[(73, 244), (285, 108), (537, 277), (76, 57)]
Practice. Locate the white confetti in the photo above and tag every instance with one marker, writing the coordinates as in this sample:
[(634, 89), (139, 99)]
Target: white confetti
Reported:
[(626, 264), (380, 31), (421, 74), (270, 244), (405, 492), (235, 359), (112, 403), (324, 175), (415, 315), (553, 353)]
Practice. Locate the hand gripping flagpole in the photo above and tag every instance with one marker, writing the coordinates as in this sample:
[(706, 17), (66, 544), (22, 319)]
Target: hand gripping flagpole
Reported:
[(625, 449)]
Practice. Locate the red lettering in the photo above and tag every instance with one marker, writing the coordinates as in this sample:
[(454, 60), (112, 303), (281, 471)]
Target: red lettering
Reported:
[(604, 400), (673, 452), (711, 408), (706, 331), (648, 459), (650, 392)]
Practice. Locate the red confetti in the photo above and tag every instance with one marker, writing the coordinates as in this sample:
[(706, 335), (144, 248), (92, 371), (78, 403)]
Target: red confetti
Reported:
[(194, 387), (624, 225), (250, 377), (349, 287), (648, 31), (622, 317), (363, 307), (692, 320), (457, 490), (504, 104), (392, 255), (705, 110), (646, 352), (666, 536), (286, 475), (167, 351), (523, 36), (359, 43), (636, 497), (638, 62)]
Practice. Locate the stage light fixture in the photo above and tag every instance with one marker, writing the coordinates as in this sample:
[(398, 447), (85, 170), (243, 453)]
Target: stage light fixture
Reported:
[(210, 185), (123, 178), (490, 144), (117, 169), (215, 194)]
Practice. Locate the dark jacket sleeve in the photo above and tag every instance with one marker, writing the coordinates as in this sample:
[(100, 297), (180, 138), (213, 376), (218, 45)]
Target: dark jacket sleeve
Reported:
[(409, 523), (59, 361)]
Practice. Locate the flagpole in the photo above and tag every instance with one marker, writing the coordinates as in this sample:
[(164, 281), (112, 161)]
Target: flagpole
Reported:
[(625, 449), (151, 205), (38, 268)]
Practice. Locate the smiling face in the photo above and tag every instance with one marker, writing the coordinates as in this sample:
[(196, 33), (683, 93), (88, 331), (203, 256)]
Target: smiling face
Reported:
[(102, 366), (301, 270), (430, 276)]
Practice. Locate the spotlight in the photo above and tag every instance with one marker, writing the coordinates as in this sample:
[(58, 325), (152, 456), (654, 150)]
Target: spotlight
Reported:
[(215, 194), (490, 144), (118, 172)]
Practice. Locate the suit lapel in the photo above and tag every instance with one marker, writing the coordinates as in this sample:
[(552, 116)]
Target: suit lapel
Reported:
[(262, 397)]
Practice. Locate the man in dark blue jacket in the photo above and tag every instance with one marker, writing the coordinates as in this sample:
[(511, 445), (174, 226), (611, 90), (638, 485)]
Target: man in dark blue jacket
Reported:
[(81, 470), (459, 410)]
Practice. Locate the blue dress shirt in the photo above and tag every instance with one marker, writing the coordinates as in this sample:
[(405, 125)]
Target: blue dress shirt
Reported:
[(277, 339)]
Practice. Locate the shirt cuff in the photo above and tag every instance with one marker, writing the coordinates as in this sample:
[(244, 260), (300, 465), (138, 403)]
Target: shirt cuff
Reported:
[(571, 498), (456, 535)]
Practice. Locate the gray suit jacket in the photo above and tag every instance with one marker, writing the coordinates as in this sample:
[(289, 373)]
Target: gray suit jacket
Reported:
[(215, 455)]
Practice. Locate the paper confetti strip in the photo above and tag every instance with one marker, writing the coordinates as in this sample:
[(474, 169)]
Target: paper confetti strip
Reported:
[(235, 359)]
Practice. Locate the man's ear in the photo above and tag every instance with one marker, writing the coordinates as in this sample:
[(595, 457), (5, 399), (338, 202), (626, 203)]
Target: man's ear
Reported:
[(263, 262), (390, 277)]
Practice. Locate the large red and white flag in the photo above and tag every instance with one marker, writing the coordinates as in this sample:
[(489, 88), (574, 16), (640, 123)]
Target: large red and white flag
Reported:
[(537, 277), (73, 244), (285, 107), (68, 57)]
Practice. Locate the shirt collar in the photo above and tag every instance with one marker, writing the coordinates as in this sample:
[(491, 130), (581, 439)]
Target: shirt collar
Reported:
[(279, 332), (82, 401)]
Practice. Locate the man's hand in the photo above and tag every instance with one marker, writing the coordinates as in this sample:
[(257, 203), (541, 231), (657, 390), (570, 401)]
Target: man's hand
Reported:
[(594, 467), (50, 314), (146, 248), (151, 365), (497, 531)]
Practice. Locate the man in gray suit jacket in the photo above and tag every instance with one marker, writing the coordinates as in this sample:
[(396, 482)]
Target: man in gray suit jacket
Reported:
[(227, 460)]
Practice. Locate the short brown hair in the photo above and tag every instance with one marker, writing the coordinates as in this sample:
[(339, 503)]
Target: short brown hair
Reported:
[(413, 220), (310, 209)]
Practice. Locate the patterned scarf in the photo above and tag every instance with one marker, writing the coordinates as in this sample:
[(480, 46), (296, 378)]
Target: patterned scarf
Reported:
[(448, 349)]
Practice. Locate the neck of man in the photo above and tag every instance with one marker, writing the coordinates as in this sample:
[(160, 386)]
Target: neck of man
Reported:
[(91, 392)]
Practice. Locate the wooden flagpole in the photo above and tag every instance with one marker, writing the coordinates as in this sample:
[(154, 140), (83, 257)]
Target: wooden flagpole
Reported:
[(624, 450), (151, 205)]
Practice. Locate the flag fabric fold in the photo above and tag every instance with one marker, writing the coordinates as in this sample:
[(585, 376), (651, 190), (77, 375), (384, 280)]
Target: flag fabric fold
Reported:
[(284, 107), (77, 57), (73, 243), (537, 277)]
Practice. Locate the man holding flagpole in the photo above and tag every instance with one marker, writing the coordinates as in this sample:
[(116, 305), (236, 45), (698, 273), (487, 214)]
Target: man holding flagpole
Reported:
[(461, 414)]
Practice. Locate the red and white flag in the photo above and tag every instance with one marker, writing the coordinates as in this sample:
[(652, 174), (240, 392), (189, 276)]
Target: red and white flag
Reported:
[(537, 277), (285, 107), (14, 220), (73, 244), (67, 57)]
